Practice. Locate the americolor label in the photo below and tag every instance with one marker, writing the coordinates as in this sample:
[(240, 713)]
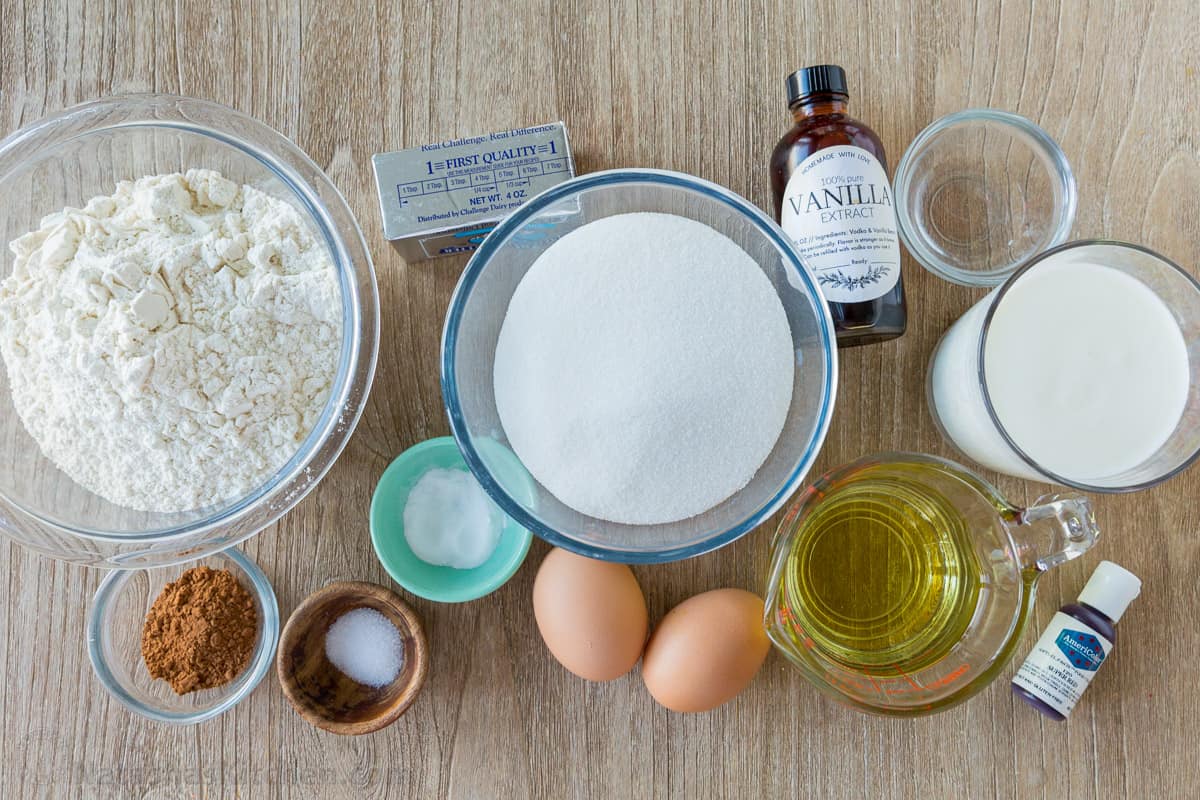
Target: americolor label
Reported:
[(1063, 663)]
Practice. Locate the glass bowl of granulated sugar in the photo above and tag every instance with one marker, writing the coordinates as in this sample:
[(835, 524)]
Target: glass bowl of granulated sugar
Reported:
[(188, 330), (651, 349)]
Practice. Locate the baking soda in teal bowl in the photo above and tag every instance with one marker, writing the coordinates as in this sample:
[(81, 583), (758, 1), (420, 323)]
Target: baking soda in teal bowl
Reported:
[(436, 531)]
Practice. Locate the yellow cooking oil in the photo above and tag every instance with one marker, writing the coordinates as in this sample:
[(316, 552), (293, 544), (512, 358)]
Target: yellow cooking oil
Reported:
[(882, 576)]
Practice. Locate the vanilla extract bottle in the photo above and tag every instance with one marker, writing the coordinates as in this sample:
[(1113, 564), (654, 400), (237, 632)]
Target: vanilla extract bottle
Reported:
[(832, 197)]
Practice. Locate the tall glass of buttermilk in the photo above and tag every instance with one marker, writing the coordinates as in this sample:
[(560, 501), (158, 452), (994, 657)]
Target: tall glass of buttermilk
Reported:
[(1081, 370)]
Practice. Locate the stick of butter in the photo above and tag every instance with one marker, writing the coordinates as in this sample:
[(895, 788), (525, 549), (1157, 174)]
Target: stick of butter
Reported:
[(443, 198)]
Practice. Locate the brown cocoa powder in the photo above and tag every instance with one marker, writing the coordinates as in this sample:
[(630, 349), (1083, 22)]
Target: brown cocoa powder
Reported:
[(201, 630)]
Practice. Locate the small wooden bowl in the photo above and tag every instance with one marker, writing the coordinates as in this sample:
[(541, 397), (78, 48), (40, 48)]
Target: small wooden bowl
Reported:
[(319, 691)]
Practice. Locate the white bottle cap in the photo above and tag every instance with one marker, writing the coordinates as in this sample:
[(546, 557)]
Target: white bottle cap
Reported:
[(1111, 589)]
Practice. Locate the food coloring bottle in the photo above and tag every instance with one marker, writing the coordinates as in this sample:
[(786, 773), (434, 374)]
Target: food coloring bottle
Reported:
[(833, 198), (1079, 639)]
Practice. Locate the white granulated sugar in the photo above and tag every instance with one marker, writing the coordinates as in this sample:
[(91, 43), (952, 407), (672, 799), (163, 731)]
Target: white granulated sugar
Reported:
[(171, 346), (644, 368)]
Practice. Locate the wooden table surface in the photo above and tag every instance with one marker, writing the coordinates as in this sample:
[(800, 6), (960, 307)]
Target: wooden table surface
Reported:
[(691, 86)]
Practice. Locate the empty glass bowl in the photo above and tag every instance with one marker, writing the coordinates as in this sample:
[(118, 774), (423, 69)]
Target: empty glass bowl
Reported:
[(114, 640), (481, 300), (980, 192), (82, 152)]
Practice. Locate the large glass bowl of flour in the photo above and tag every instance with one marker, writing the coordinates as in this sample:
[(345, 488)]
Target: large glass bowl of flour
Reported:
[(482, 369), (66, 159)]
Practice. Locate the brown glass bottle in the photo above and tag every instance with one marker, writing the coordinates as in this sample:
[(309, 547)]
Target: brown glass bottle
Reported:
[(839, 210)]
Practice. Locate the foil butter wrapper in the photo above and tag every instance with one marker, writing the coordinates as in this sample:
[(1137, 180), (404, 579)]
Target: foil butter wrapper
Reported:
[(443, 198)]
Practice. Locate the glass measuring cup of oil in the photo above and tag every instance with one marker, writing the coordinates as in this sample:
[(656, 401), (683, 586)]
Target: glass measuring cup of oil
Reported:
[(900, 583)]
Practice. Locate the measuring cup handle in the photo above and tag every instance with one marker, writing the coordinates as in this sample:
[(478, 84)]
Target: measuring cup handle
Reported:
[(1056, 529)]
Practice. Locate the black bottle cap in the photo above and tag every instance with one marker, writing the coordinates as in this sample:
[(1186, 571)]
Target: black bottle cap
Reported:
[(822, 79)]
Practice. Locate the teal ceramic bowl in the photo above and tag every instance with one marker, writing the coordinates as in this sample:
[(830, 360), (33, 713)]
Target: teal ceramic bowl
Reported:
[(443, 584)]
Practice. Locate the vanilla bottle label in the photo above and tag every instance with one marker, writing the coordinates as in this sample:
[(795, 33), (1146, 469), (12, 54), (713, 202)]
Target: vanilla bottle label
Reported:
[(837, 210)]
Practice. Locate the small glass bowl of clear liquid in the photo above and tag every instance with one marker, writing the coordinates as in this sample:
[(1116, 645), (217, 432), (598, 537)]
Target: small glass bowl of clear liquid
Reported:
[(980, 192)]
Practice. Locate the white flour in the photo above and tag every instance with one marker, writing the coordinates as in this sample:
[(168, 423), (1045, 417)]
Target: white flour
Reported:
[(644, 368), (170, 346)]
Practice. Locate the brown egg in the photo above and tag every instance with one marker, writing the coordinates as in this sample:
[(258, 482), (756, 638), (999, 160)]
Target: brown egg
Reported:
[(706, 650), (591, 614)]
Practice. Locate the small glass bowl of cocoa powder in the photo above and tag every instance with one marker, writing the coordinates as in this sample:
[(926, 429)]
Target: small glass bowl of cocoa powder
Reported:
[(125, 609)]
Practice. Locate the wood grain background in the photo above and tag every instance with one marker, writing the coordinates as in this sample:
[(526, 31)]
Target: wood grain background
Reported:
[(691, 86)]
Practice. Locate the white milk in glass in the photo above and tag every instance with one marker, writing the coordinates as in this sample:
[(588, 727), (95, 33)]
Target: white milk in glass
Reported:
[(1086, 369)]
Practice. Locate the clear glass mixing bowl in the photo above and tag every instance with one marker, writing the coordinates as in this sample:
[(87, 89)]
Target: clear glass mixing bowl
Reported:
[(82, 152), (481, 300)]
